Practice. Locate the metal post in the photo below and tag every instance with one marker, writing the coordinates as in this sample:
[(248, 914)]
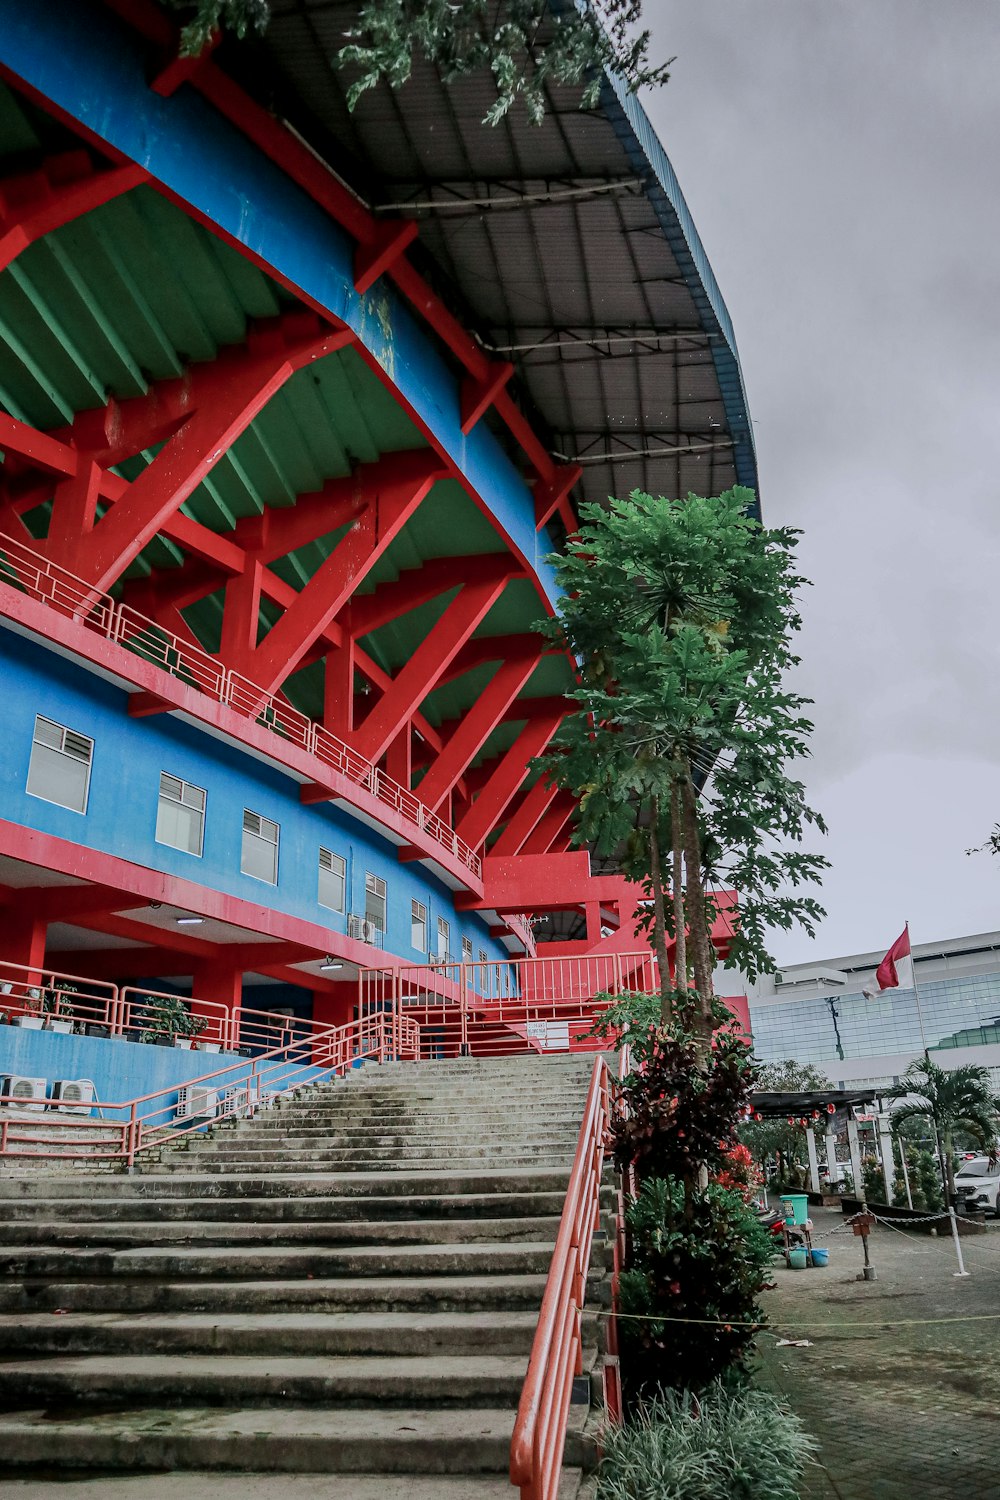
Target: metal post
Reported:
[(885, 1139), (958, 1244), (813, 1159), (906, 1175)]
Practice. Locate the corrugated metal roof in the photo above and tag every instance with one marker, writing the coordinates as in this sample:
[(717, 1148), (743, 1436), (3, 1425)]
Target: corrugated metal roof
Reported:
[(567, 247)]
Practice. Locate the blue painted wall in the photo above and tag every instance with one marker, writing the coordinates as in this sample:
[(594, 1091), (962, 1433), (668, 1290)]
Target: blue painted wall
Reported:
[(129, 755), (120, 1070)]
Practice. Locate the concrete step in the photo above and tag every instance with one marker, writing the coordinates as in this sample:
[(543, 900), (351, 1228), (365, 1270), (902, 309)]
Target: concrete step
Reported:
[(295, 1440), (196, 1485), (294, 1183), (249, 1263), (519, 1291), (120, 1210), (453, 1140), (333, 1164), (154, 1232), (34, 1335), (134, 1382)]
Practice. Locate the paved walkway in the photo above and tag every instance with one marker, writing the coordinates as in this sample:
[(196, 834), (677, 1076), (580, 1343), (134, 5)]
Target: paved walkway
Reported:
[(900, 1412)]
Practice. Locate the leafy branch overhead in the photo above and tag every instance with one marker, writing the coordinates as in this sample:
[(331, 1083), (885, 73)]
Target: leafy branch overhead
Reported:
[(525, 44)]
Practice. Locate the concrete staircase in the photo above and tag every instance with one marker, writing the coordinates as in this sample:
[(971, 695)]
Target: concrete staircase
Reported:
[(346, 1286)]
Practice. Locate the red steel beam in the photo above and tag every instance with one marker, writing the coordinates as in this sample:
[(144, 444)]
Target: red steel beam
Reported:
[(222, 406), (475, 728), (63, 188), (311, 611), (488, 808), (416, 586), (551, 827), (524, 820), (419, 676)]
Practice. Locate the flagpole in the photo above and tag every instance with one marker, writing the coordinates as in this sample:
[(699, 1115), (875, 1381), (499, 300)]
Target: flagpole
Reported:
[(916, 996)]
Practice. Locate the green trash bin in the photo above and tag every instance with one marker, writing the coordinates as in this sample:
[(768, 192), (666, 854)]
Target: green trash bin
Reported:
[(796, 1207)]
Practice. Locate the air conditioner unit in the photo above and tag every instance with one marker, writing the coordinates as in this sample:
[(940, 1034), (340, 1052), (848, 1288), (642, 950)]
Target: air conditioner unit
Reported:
[(234, 1102), (363, 929), (27, 1093), (196, 1104), (75, 1095)]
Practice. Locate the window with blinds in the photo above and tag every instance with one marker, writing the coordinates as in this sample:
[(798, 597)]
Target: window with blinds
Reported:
[(418, 926), (180, 815), (59, 768), (259, 856)]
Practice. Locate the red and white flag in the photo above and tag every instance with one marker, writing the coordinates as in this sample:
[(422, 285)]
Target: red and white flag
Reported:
[(886, 975)]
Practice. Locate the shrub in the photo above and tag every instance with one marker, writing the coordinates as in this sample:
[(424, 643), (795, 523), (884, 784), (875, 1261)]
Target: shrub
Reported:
[(693, 1255), (724, 1445)]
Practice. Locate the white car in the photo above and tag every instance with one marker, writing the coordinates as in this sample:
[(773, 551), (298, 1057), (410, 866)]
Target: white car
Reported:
[(979, 1179)]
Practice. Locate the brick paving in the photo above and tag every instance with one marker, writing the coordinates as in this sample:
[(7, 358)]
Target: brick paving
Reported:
[(900, 1413)]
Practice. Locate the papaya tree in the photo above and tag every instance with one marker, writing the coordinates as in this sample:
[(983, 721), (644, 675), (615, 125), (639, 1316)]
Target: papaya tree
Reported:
[(681, 615)]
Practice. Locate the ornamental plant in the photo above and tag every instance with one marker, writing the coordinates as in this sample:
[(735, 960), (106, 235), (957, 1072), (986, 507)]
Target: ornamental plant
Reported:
[(698, 1260), (167, 1015)]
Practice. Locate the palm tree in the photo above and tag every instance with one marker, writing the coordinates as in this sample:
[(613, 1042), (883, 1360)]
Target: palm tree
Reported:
[(954, 1099)]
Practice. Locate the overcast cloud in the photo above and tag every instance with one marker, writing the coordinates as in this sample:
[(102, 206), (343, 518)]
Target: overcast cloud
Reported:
[(841, 159)]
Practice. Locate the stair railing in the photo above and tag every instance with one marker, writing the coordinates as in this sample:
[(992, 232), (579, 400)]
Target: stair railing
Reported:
[(536, 1449)]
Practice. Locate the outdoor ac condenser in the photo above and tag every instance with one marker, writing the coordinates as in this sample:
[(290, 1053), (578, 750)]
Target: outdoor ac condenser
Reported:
[(76, 1095), (196, 1104), (28, 1093)]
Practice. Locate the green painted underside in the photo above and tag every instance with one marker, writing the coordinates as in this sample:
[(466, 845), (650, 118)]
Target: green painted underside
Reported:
[(135, 293)]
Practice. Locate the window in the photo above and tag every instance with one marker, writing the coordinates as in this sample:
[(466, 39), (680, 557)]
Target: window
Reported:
[(260, 847), (444, 938), (418, 926), (180, 815), (59, 769), (484, 957), (332, 880), (375, 901), (466, 950)]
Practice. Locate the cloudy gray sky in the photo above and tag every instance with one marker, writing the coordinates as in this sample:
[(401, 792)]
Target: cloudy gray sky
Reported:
[(841, 159)]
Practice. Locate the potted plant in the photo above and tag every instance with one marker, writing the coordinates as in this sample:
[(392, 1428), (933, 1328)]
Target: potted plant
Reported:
[(32, 1018), (167, 1021), (58, 1008)]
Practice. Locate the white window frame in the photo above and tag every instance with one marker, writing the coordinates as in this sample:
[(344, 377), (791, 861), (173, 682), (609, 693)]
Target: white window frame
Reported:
[(185, 788), (376, 887), (466, 950), (443, 938), (337, 864), (418, 919), (262, 838), (59, 748)]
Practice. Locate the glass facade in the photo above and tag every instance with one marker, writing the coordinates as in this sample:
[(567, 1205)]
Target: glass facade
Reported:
[(958, 1011)]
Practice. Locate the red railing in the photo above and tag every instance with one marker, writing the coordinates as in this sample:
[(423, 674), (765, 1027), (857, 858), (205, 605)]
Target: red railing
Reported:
[(536, 1450), (506, 1006), (73, 598), (129, 1127)]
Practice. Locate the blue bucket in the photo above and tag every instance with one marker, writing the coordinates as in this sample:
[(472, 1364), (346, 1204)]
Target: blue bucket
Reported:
[(821, 1257)]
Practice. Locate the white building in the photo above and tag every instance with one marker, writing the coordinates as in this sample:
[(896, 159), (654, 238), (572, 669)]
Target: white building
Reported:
[(817, 1013)]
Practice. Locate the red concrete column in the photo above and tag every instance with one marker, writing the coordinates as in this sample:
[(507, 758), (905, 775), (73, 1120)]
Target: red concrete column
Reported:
[(22, 940)]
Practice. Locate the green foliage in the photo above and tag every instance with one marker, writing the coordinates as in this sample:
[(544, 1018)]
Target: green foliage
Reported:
[(928, 1186), (167, 1015), (681, 615), (525, 44), (697, 1255), (211, 16), (874, 1182), (957, 1100), (681, 1112), (722, 1445)]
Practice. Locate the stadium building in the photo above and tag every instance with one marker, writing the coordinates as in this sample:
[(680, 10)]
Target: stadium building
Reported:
[(295, 405)]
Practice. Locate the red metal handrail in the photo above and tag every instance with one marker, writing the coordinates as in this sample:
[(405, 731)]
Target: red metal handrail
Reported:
[(536, 1449), (33, 574)]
